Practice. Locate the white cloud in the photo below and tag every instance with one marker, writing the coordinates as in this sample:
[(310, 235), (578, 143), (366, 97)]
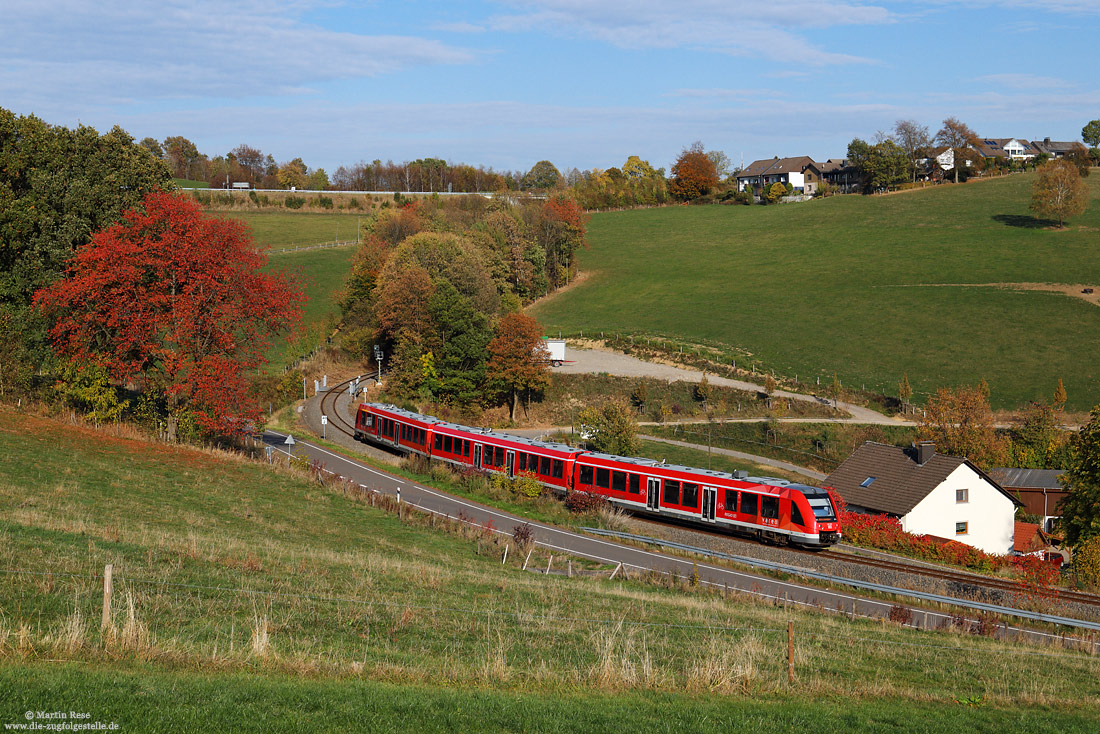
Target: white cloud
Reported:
[(774, 31), (136, 50), (1024, 81)]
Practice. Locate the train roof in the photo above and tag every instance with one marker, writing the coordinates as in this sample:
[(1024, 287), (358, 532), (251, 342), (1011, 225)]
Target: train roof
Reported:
[(404, 413), (739, 476), (511, 437)]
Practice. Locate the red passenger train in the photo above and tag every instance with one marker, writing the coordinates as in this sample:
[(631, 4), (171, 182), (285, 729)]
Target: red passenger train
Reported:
[(771, 509)]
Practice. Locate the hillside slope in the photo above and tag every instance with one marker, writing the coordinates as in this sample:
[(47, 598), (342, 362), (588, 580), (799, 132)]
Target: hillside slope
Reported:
[(867, 287), (252, 599)]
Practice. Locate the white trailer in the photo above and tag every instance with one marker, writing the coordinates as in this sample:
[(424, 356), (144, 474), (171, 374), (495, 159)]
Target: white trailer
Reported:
[(556, 349)]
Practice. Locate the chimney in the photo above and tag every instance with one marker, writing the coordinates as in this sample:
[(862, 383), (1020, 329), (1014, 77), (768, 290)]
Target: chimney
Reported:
[(925, 451), (1046, 141)]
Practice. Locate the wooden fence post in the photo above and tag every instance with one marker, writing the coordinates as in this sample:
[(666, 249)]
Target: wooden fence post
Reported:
[(790, 652), (526, 560), (548, 564), (108, 591), (505, 559), (615, 571)]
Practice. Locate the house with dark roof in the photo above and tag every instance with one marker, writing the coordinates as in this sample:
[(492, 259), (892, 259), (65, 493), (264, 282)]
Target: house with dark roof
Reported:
[(1015, 149), (1057, 149), (840, 172), (1038, 489), (930, 493), (800, 172)]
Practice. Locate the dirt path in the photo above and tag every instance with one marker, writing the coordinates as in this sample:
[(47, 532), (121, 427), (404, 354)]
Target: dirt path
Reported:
[(594, 361)]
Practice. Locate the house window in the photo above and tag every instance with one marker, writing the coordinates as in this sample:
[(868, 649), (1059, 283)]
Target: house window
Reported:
[(961, 528), (867, 482), (962, 495)]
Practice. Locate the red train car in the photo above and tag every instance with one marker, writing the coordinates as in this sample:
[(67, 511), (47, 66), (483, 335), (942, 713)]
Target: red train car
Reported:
[(763, 507), (394, 428), (551, 464), (767, 508)]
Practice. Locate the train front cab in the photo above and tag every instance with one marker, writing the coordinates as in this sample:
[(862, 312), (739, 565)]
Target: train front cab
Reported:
[(821, 527)]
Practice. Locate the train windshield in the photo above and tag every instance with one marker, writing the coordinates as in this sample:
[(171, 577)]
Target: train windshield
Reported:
[(823, 509)]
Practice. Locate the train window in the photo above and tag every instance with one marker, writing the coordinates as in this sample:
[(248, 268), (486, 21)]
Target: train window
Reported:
[(586, 475), (544, 465), (465, 447), (448, 445), (749, 502), (487, 456), (635, 484), (691, 495), (438, 442), (672, 492), (558, 467), (796, 515), (769, 508), (618, 481), (731, 501), (521, 461), (603, 477)]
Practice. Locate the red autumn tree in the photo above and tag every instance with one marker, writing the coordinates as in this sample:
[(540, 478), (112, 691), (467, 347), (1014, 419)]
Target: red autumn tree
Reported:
[(693, 174), (174, 301), (518, 358), (560, 229)]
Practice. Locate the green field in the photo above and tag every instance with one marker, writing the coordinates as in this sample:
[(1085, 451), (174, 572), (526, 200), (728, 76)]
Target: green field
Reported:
[(281, 230), (188, 184), (249, 598), (322, 273), (868, 287)]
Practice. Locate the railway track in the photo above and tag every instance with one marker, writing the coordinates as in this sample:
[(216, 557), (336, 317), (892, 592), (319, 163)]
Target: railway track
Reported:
[(330, 408), (962, 578)]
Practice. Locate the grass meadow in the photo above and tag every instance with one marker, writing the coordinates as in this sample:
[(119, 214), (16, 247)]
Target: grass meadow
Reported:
[(866, 287), (251, 598), (281, 230)]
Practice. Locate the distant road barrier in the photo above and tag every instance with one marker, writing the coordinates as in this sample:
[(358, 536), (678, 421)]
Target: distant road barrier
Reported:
[(316, 247)]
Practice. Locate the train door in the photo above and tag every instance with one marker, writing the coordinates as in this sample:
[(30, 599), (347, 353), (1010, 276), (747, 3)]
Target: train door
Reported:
[(710, 500), (653, 494), (477, 456), (510, 463)]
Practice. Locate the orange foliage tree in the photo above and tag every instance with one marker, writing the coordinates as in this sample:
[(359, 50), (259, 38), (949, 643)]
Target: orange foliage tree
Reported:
[(960, 422), (693, 174), (175, 301), (518, 358)]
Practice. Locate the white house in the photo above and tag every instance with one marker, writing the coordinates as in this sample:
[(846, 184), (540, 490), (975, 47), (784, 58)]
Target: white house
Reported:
[(800, 172), (931, 494)]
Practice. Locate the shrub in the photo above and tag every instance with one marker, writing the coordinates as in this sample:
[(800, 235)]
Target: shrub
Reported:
[(583, 503), (294, 202), (523, 535), (325, 202)]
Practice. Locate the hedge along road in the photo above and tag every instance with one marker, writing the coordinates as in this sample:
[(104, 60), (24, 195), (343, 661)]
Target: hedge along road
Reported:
[(634, 560), (595, 361)]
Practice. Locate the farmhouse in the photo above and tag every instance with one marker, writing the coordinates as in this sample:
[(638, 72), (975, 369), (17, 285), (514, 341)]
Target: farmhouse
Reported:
[(1038, 489), (930, 493), (800, 172), (1015, 149)]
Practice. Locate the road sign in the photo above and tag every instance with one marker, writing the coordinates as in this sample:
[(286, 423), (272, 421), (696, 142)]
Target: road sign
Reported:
[(324, 420), (289, 440)]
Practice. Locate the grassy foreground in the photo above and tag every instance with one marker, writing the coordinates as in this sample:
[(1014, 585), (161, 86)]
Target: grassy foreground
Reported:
[(252, 598), (867, 287)]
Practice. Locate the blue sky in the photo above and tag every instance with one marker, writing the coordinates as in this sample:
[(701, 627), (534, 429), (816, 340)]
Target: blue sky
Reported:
[(582, 83)]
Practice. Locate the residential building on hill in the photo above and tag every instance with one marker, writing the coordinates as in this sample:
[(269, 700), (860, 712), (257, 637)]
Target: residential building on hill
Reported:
[(1015, 149), (1057, 149), (800, 172), (840, 173), (931, 494)]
